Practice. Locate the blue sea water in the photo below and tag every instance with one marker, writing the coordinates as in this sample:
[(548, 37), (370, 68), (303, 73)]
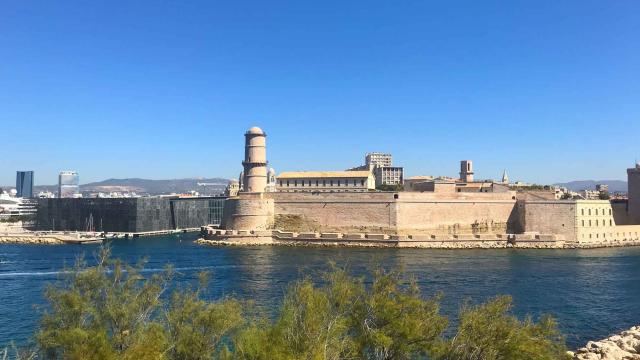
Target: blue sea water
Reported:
[(592, 293)]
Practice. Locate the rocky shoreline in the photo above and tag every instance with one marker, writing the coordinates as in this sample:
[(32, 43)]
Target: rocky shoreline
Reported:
[(623, 346), (22, 239), (36, 238), (269, 241)]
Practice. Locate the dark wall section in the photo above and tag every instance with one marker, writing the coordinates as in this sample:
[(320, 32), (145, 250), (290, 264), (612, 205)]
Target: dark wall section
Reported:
[(128, 215)]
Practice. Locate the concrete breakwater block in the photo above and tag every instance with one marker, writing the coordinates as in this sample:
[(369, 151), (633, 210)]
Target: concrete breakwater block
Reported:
[(464, 237), (525, 237), (331, 235), (354, 236), (309, 235), (262, 233), (284, 234), (377, 236)]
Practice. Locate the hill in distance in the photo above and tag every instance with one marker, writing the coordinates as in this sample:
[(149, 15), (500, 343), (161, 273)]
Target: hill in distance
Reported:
[(578, 185), (204, 186)]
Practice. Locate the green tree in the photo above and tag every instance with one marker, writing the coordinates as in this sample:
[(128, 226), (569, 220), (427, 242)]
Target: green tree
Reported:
[(490, 332), (110, 311), (394, 322)]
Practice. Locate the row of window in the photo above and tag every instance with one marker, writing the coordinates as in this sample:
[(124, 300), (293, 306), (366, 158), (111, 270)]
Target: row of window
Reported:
[(604, 235), (596, 211), (323, 182), (597, 222)]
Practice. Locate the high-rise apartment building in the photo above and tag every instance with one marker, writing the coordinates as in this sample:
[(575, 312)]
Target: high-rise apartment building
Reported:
[(24, 184), (374, 159), (383, 170)]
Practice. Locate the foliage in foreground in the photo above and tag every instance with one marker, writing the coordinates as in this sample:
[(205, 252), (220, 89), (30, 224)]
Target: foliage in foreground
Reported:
[(110, 311)]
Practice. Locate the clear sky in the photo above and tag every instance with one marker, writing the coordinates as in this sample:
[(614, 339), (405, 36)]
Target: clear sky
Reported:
[(549, 90)]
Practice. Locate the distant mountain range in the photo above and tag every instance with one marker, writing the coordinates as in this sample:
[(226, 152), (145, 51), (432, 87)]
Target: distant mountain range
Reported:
[(205, 186), (217, 185), (614, 185)]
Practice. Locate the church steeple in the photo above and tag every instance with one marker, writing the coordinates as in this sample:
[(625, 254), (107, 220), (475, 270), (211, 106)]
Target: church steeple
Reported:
[(505, 177)]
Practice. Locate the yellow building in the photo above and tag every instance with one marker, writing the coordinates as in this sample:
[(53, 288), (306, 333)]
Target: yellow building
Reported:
[(326, 181)]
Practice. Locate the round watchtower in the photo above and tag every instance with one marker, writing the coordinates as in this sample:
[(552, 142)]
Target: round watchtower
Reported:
[(255, 161)]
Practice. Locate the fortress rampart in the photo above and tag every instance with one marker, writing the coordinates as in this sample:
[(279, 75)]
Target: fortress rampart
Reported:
[(403, 212), (461, 218)]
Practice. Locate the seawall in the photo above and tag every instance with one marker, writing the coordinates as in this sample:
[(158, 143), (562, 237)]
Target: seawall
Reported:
[(623, 346), (402, 212)]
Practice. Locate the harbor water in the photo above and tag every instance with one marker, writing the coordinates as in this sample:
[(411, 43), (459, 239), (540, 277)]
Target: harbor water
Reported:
[(592, 293)]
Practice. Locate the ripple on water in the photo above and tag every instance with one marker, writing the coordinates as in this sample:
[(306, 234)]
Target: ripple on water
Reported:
[(593, 293)]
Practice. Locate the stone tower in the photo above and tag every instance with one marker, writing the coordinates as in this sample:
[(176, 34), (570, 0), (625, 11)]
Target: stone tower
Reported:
[(251, 210), (633, 178), (466, 170), (255, 161)]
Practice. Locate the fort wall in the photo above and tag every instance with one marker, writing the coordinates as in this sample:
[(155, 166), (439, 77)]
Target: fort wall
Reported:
[(552, 217), (248, 211), (456, 213), (340, 211), (403, 212)]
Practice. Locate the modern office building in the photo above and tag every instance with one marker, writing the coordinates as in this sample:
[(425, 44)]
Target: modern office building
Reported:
[(68, 184), (128, 214), (374, 159), (389, 175), (24, 184), (385, 173)]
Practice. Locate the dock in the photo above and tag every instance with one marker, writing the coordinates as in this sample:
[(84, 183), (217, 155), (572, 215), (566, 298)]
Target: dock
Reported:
[(110, 235)]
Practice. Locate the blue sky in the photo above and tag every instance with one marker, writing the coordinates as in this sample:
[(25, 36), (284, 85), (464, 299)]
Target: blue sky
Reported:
[(549, 90)]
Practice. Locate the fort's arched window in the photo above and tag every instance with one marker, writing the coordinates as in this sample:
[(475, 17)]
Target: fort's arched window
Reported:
[(589, 211)]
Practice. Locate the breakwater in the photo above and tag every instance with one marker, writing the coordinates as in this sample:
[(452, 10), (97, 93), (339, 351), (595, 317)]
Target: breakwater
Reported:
[(622, 346), (213, 236)]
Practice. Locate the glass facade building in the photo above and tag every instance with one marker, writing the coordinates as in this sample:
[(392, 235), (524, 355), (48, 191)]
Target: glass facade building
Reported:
[(68, 184), (24, 184)]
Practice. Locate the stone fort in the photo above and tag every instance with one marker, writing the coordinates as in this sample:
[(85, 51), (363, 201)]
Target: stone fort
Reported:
[(430, 214)]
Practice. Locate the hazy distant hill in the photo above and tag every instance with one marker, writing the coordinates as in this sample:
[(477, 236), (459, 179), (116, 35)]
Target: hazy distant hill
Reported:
[(151, 187), (156, 187), (614, 185)]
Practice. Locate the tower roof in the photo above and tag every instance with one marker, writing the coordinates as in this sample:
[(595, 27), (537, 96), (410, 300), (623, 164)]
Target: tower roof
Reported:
[(505, 177), (255, 131)]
